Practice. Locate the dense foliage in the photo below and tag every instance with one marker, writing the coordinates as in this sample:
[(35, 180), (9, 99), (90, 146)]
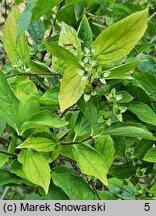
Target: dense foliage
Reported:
[(78, 100)]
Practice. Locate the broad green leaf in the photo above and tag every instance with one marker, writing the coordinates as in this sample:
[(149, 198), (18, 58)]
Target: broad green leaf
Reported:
[(42, 7), (105, 145), (147, 82), (25, 90), (82, 125), (129, 129), (25, 18), (143, 112), (36, 31), (150, 156), (121, 171), (63, 54), (8, 178), (85, 33), (33, 11), (36, 169), (74, 186), (50, 97), (69, 40), (43, 119), (27, 108), (147, 63), (63, 15), (72, 87), (39, 144), (120, 145), (138, 93), (16, 52), (122, 71), (2, 125), (3, 159), (67, 151), (91, 162), (69, 2), (9, 104), (90, 111), (39, 67), (119, 39), (16, 168), (142, 147), (55, 193)]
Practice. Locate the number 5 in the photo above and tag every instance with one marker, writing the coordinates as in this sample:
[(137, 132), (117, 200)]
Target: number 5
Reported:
[(147, 207)]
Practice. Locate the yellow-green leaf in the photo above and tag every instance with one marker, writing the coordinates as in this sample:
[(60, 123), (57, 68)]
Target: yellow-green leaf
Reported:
[(36, 169), (15, 52), (72, 87), (150, 156), (39, 144), (91, 162), (119, 39), (105, 145)]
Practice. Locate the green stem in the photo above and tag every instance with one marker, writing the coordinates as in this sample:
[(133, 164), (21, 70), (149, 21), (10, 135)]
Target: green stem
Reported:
[(77, 142)]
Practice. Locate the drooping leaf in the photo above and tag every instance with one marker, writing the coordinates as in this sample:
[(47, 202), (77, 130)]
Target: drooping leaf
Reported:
[(9, 104), (36, 31), (119, 39), (74, 186), (36, 169), (16, 52), (105, 145), (150, 156), (147, 82), (39, 144), (85, 33), (43, 119), (129, 129), (143, 112), (72, 88), (91, 162), (63, 54)]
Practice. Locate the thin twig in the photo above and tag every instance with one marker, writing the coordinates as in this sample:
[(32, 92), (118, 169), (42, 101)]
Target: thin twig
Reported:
[(8, 154), (35, 74), (77, 142)]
